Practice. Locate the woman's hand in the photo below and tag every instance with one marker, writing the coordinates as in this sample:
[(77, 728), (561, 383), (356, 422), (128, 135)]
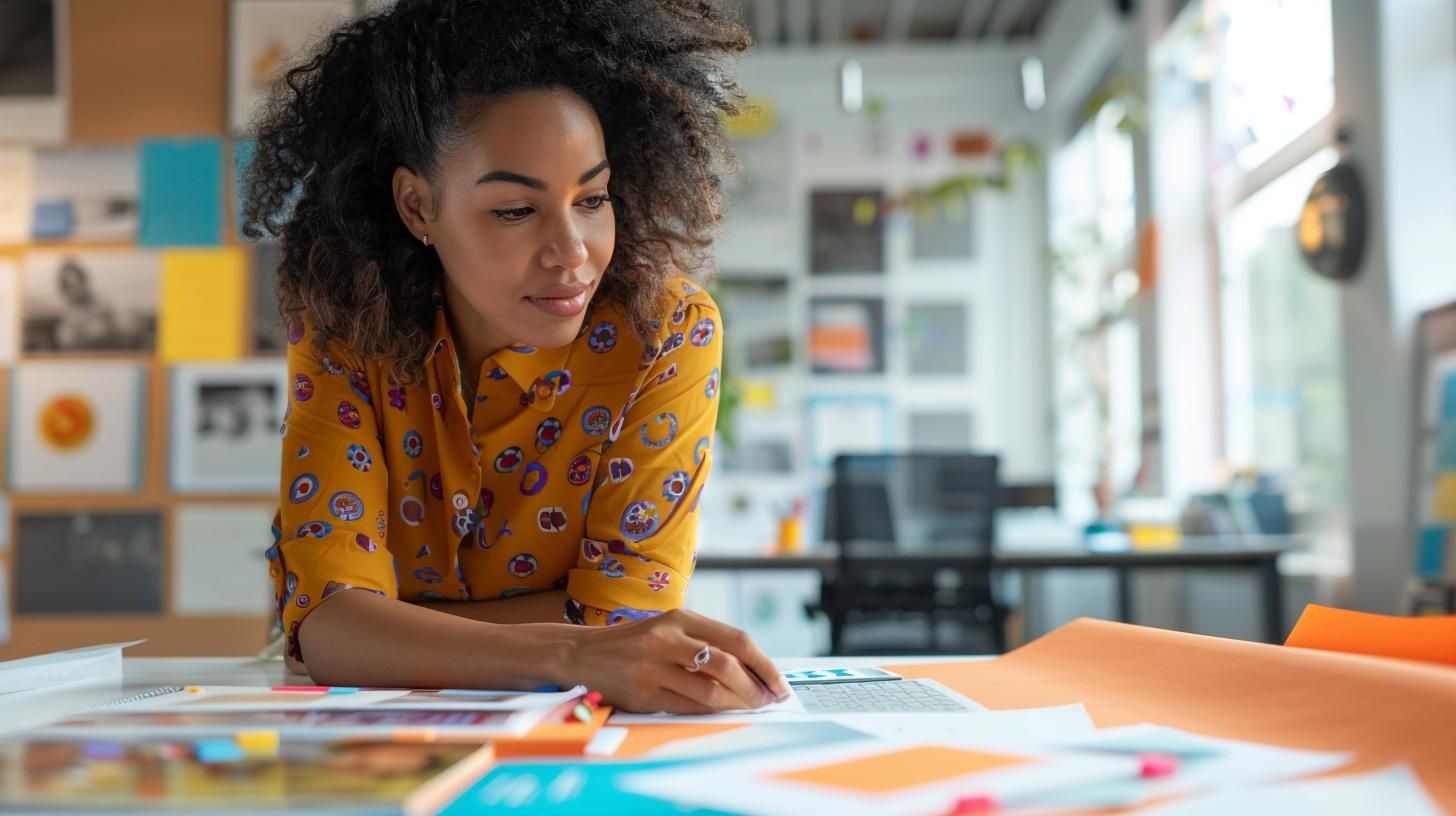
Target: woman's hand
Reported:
[(644, 666)]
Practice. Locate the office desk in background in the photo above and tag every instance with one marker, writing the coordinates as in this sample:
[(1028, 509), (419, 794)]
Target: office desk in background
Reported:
[(1261, 559)]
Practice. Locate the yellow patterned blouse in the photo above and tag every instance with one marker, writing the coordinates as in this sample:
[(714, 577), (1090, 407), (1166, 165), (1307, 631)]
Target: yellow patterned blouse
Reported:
[(580, 469)]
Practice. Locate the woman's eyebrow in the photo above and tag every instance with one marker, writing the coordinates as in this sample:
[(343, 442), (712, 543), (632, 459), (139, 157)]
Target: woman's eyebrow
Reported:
[(535, 183)]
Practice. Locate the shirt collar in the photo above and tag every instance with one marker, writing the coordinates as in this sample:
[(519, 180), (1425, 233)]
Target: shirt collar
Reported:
[(540, 374)]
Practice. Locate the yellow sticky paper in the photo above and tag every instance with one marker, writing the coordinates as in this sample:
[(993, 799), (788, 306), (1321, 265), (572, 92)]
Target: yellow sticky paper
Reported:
[(203, 293), (758, 394), (756, 116), (1445, 509)]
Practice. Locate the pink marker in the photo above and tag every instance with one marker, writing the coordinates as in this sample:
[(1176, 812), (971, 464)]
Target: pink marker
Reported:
[(978, 803), (1157, 766)]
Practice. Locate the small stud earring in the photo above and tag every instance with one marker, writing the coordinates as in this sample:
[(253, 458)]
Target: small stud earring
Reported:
[(426, 239)]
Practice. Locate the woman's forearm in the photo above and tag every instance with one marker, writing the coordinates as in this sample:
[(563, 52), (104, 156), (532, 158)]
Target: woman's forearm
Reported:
[(361, 639), (538, 607)]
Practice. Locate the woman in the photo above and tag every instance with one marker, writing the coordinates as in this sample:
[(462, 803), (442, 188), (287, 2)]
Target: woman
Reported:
[(503, 388)]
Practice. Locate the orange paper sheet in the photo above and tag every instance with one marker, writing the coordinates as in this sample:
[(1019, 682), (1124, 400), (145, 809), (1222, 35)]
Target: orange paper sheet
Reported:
[(1430, 639), (897, 771), (1383, 710)]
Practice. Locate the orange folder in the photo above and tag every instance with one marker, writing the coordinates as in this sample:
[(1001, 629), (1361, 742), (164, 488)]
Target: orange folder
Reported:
[(552, 739), (1382, 710), (1429, 639)]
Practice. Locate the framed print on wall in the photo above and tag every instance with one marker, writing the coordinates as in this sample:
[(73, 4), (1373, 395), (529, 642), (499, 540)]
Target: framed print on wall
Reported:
[(225, 427), (76, 427)]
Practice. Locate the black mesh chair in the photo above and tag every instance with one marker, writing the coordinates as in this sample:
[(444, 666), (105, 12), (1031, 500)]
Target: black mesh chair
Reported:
[(892, 515)]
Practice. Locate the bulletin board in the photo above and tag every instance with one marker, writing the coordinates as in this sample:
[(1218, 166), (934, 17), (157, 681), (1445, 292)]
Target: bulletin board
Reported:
[(1433, 483)]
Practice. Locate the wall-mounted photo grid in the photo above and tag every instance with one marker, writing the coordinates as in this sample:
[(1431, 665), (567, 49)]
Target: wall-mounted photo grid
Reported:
[(849, 344), (141, 349)]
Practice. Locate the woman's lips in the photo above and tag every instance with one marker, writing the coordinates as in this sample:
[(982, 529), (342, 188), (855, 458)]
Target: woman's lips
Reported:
[(568, 305)]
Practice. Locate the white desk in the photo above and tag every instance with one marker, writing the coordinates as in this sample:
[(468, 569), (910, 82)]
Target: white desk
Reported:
[(31, 709)]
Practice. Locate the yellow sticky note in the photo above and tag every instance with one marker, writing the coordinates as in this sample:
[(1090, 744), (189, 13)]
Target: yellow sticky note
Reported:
[(758, 394), (1445, 509), (756, 116), (260, 743), (203, 294)]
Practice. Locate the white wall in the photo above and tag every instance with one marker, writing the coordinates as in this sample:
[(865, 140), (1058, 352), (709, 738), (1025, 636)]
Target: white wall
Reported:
[(1395, 85)]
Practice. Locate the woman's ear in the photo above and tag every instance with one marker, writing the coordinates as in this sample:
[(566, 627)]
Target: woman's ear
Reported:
[(414, 200)]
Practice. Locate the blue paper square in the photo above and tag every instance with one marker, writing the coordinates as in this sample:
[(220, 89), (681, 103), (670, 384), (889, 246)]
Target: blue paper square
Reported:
[(1446, 448), (181, 193), (1431, 551), (53, 219), (1448, 398)]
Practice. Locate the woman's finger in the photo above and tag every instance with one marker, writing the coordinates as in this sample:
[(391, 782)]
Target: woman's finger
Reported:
[(741, 646), (730, 673)]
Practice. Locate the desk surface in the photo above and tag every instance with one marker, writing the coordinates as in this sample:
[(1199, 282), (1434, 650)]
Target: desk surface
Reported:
[(31, 709), (1016, 559)]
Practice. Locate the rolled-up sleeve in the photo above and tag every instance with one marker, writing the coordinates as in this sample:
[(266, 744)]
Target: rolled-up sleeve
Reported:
[(641, 525), (333, 488)]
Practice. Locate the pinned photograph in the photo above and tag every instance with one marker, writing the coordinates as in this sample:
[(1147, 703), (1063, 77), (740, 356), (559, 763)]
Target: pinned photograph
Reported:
[(758, 308), (270, 335), (219, 567), (72, 563), (847, 232), (76, 427), (942, 230), (268, 36), (86, 194), (226, 423), (846, 424), (9, 312), (847, 336), (32, 108), (937, 339), (90, 301)]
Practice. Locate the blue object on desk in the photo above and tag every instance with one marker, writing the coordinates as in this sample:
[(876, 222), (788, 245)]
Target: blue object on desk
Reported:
[(567, 788), (218, 750), (1431, 552), (342, 690)]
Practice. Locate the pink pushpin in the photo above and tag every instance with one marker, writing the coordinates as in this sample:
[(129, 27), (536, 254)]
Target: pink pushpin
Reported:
[(1156, 766), (979, 803)]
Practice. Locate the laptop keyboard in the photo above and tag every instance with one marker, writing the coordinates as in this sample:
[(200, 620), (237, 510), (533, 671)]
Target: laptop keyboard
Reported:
[(878, 696)]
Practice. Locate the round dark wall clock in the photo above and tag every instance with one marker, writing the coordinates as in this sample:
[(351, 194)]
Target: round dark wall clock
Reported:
[(1331, 227)]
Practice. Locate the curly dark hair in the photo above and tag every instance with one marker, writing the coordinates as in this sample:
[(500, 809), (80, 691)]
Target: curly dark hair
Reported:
[(396, 88)]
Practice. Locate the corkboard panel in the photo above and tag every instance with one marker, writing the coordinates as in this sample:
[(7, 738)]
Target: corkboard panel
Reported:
[(190, 636), (141, 68)]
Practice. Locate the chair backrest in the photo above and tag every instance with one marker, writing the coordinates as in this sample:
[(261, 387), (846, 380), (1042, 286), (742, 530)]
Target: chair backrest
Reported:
[(913, 503)]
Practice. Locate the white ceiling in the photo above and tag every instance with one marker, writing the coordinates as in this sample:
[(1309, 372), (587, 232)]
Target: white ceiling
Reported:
[(805, 22)]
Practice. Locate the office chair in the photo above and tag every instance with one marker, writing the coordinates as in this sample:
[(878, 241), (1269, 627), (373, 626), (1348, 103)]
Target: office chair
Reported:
[(917, 505)]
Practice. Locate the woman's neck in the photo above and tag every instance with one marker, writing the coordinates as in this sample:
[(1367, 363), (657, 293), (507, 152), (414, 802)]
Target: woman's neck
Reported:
[(475, 340)]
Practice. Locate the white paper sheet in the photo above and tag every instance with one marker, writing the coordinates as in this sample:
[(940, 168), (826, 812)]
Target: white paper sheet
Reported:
[(1392, 790), (1207, 763), (789, 710), (62, 668), (1002, 728), (830, 779)]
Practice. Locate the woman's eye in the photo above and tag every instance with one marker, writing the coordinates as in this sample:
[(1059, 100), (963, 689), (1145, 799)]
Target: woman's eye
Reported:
[(513, 214), (596, 202)]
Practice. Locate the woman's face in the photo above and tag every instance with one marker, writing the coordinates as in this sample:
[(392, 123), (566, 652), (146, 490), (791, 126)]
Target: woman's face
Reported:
[(521, 219)]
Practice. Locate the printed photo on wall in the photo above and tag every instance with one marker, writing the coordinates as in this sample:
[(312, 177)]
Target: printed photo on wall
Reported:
[(9, 311), (942, 230), (847, 335), (32, 107), (76, 427), (267, 37), (88, 563), (215, 540), (225, 427), (86, 194), (269, 331), (847, 232), (758, 309), (90, 301), (846, 424), (935, 335)]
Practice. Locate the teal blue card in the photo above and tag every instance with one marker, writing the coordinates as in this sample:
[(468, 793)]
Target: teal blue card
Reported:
[(181, 192)]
